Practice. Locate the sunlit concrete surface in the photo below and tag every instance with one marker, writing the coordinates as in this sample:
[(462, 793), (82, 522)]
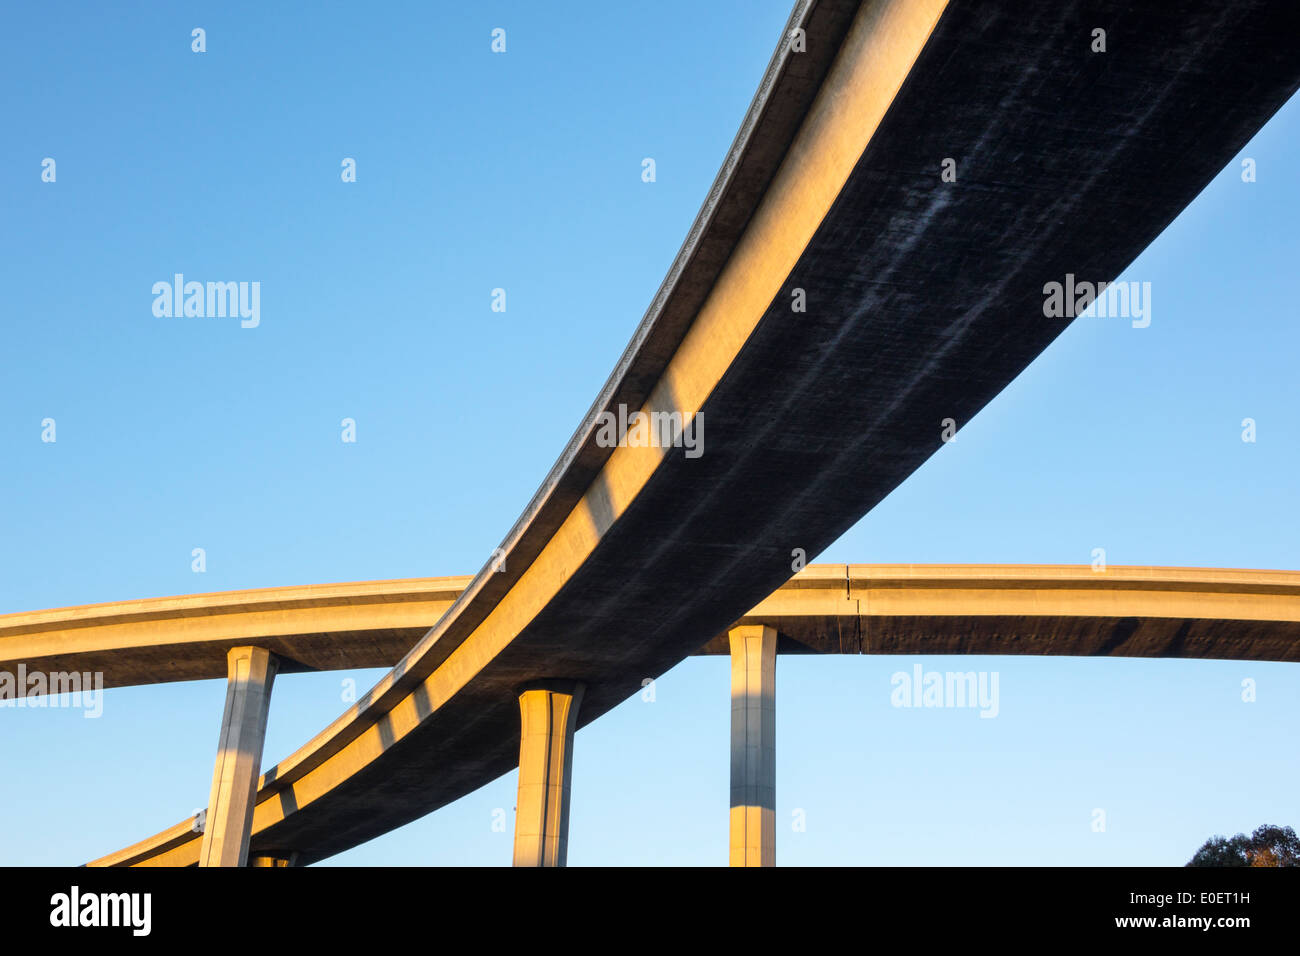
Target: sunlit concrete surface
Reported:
[(752, 840), (548, 715), (1204, 613), (1072, 610), (156, 640), (369, 623), (924, 299), (239, 757)]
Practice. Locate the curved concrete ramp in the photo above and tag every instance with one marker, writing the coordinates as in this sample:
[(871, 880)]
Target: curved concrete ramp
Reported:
[(922, 298)]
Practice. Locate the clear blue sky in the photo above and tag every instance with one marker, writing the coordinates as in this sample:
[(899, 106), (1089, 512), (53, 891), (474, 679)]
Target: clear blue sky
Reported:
[(522, 171)]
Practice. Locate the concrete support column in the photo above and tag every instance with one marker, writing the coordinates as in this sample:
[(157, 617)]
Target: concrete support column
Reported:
[(250, 673), (753, 746), (548, 713), (273, 860)]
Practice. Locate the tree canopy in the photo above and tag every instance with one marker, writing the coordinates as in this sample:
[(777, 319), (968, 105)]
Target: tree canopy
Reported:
[(1267, 846)]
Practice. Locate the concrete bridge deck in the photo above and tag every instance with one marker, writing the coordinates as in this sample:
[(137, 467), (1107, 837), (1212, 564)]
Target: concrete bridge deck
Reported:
[(826, 609), (922, 298)]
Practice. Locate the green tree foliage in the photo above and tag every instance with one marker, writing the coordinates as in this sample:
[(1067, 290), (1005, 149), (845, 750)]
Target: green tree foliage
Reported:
[(1267, 846)]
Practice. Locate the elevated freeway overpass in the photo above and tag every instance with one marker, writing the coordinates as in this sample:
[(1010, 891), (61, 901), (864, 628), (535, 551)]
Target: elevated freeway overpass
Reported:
[(826, 609), (823, 609), (919, 297)]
